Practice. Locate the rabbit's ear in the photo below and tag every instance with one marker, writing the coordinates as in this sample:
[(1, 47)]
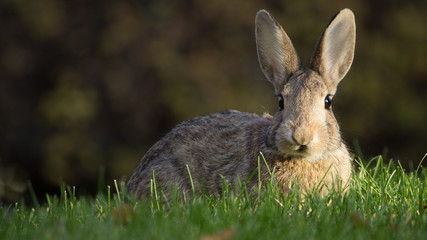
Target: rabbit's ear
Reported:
[(334, 51), (276, 54)]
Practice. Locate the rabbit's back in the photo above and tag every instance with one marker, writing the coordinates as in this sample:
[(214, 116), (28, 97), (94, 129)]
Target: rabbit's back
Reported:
[(222, 144)]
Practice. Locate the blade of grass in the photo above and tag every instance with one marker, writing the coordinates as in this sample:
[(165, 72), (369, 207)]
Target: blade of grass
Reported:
[(156, 196), (117, 191), (65, 201), (109, 197), (33, 195), (420, 165), (191, 180)]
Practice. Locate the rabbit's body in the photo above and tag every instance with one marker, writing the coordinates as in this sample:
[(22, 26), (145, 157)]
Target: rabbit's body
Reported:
[(300, 142), (210, 146)]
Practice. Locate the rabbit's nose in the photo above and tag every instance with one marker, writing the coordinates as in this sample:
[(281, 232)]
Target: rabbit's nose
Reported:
[(302, 138)]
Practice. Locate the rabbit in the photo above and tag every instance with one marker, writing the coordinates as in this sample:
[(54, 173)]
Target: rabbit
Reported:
[(301, 141)]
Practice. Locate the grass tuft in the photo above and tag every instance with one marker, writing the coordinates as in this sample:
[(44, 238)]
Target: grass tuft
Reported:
[(383, 201)]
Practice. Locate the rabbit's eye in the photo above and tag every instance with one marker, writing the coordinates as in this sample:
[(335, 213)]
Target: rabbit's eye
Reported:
[(328, 101), (281, 102)]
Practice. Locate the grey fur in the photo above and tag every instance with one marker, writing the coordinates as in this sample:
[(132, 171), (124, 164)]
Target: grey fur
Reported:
[(301, 141)]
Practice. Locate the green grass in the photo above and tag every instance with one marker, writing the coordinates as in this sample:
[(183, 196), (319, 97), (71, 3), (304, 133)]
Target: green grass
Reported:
[(383, 202)]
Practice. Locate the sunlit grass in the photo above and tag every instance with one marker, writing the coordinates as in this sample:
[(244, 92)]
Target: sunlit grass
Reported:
[(383, 202)]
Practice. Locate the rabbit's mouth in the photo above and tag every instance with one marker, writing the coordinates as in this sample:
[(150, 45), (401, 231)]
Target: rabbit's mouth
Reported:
[(299, 150), (305, 152), (302, 148)]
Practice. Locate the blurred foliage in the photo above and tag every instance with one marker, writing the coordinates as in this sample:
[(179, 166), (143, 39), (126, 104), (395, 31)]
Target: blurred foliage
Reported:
[(88, 85)]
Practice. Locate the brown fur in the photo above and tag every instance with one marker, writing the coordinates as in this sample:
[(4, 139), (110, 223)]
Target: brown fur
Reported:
[(301, 141)]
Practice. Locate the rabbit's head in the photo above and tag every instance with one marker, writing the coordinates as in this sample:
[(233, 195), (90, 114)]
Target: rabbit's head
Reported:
[(305, 127)]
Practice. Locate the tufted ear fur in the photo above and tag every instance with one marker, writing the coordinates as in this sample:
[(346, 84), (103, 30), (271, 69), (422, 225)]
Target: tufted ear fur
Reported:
[(334, 50), (276, 53)]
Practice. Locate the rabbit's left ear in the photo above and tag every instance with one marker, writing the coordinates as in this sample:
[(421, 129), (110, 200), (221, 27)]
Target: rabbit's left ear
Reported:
[(334, 50), (276, 53)]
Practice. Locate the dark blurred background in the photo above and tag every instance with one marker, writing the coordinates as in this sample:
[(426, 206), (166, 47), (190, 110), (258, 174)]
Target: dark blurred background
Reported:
[(86, 87)]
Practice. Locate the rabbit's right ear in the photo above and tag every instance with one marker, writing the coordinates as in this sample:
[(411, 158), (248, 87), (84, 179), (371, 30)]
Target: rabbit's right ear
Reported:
[(276, 53), (334, 51)]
